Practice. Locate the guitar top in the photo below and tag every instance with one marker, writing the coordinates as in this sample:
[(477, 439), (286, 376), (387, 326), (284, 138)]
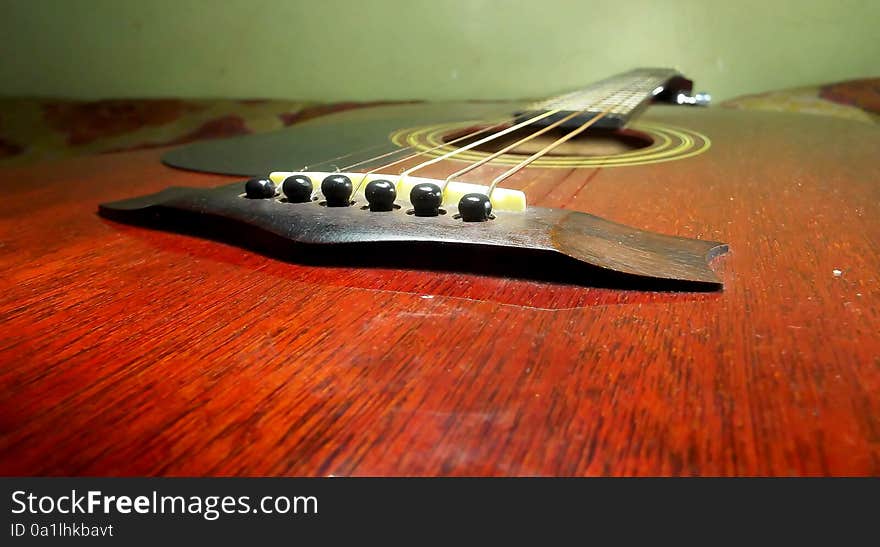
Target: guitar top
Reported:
[(629, 290)]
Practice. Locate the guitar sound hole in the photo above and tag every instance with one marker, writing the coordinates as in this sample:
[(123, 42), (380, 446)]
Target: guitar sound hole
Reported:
[(594, 142)]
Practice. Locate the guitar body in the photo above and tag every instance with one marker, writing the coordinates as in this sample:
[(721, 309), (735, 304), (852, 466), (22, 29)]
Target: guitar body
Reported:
[(132, 351)]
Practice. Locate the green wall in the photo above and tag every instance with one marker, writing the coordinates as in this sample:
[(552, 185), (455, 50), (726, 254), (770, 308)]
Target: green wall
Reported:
[(444, 49)]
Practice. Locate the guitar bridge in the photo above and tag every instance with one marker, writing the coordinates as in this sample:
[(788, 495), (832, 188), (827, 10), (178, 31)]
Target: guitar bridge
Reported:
[(586, 247)]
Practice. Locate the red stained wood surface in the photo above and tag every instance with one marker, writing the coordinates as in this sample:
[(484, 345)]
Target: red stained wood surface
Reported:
[(128, 351)]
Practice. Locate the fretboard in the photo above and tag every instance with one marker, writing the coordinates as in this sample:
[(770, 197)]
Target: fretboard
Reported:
[(623, 96)]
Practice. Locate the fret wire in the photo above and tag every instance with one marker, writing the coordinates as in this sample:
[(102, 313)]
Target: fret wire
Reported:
[(638, 85)]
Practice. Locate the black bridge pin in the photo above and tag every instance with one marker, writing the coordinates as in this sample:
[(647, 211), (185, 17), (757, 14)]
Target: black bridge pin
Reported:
[(297, 188), (426, 199), (380, 195), (337, 190), (259, 188), (475, 208)]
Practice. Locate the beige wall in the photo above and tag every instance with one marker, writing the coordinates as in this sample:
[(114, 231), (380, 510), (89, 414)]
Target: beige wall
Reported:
[(444, 49)]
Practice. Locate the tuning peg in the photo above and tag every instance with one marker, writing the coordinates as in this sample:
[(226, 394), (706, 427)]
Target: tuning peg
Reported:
[(697, 99)]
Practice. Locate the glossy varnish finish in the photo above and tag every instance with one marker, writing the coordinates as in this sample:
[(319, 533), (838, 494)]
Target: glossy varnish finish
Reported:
[(130, 351)]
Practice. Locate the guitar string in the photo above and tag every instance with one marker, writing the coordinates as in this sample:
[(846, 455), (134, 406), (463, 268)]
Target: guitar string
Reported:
[(479, 142), (336, 169), (361, 151), (393, 152), (510, 129), (441, 145), (397, 151), (532, 158), (470, 135), (458, 139), (508, 173), (506, 149), (565, 138)]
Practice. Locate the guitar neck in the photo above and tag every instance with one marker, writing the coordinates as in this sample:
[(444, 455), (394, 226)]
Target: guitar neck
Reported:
[(620, 98)]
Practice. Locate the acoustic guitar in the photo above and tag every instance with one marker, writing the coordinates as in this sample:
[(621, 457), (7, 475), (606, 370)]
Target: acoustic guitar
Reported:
[(613, 281)]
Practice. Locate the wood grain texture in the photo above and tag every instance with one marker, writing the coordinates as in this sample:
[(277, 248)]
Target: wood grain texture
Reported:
[(126, 351)]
